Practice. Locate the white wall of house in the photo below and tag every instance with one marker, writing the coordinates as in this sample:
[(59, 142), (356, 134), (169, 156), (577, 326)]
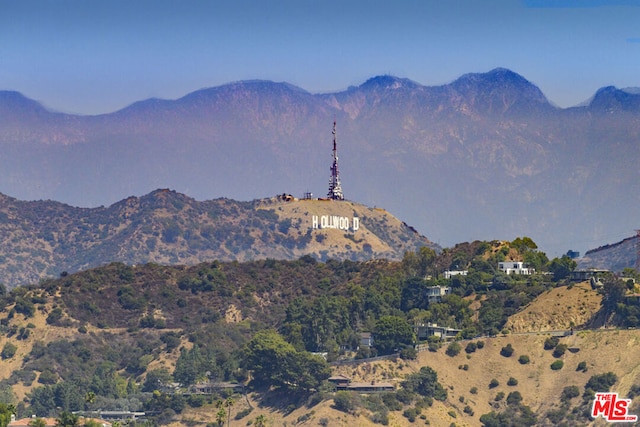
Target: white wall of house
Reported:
[(450, 273), (514, 267)]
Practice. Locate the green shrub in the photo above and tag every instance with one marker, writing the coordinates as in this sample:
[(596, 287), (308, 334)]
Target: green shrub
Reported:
[(391, 401), (524, 359), (410, 414), (471, 347), (569, 392), (514, 398), (408, 353), (346, 401), (560, 350), (425, 402), (8, 351), (551, 343), (494, 383), (507, 351), (600, 382), (425, 383), (25, 307), (512, 381), (558, 364), (556, 416), (380, 417), (48, 377), (54, 317), (405, 396), (453, 349), (305, 417), (582, 366), (196, 401)]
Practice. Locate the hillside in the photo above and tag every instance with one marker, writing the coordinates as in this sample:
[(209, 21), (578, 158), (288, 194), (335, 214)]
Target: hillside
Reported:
[(541, 387), (44, 238), (483, 157), (558, 309), (615, 256), (107, 327)]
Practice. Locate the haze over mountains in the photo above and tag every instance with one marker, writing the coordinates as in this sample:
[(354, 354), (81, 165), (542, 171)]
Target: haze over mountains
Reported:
[(484, 157)]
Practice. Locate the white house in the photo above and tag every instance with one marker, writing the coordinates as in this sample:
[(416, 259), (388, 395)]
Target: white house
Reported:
[(450, 273), (515, 267)]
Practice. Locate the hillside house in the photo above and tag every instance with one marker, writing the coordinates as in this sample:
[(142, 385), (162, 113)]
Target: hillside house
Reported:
[(372, 387), (366, 339), (215, 387), (340, 381), (450, 273), (426, 330), (344, 383), (435, 293), (582, 275), (24, 422), (515, 267)]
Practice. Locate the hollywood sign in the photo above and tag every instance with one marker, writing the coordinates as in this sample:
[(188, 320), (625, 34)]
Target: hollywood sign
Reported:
[(335, 222)]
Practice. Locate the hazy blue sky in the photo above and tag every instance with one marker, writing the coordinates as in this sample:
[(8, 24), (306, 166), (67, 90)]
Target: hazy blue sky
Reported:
[(98, 56)]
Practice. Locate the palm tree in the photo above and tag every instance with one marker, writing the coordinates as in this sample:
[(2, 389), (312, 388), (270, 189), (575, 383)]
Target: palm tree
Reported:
[(228, 404), (220, 416)]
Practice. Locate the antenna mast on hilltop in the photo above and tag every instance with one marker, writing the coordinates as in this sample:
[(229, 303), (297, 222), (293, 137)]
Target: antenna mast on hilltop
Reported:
[(335, 189)]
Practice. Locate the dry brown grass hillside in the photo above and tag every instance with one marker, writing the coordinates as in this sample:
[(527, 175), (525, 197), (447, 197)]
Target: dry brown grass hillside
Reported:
[(560, 308), (379, 232), (605, 351), (39, 331)]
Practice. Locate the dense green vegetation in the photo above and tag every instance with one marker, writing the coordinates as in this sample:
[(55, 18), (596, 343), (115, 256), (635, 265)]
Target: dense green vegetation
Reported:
[(284, 311)]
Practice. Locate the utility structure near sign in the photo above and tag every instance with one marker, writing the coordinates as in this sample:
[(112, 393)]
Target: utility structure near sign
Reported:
[(335, 189)]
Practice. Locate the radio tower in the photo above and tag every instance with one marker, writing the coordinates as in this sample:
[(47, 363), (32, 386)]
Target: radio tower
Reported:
[(335, 189)]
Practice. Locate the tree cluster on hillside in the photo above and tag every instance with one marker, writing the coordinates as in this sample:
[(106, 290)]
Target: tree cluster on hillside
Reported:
[(286, 310), (616, 300)]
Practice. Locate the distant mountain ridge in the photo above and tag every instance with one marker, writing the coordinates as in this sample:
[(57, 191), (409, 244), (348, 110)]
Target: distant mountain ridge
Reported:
[(484, 157), (615, 256), (43, 239)]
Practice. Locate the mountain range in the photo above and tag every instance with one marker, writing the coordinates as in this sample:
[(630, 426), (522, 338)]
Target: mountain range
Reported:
[(484, 157)]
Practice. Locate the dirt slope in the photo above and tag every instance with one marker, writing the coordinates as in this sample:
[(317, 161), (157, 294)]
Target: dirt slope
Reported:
[(560, 308)]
